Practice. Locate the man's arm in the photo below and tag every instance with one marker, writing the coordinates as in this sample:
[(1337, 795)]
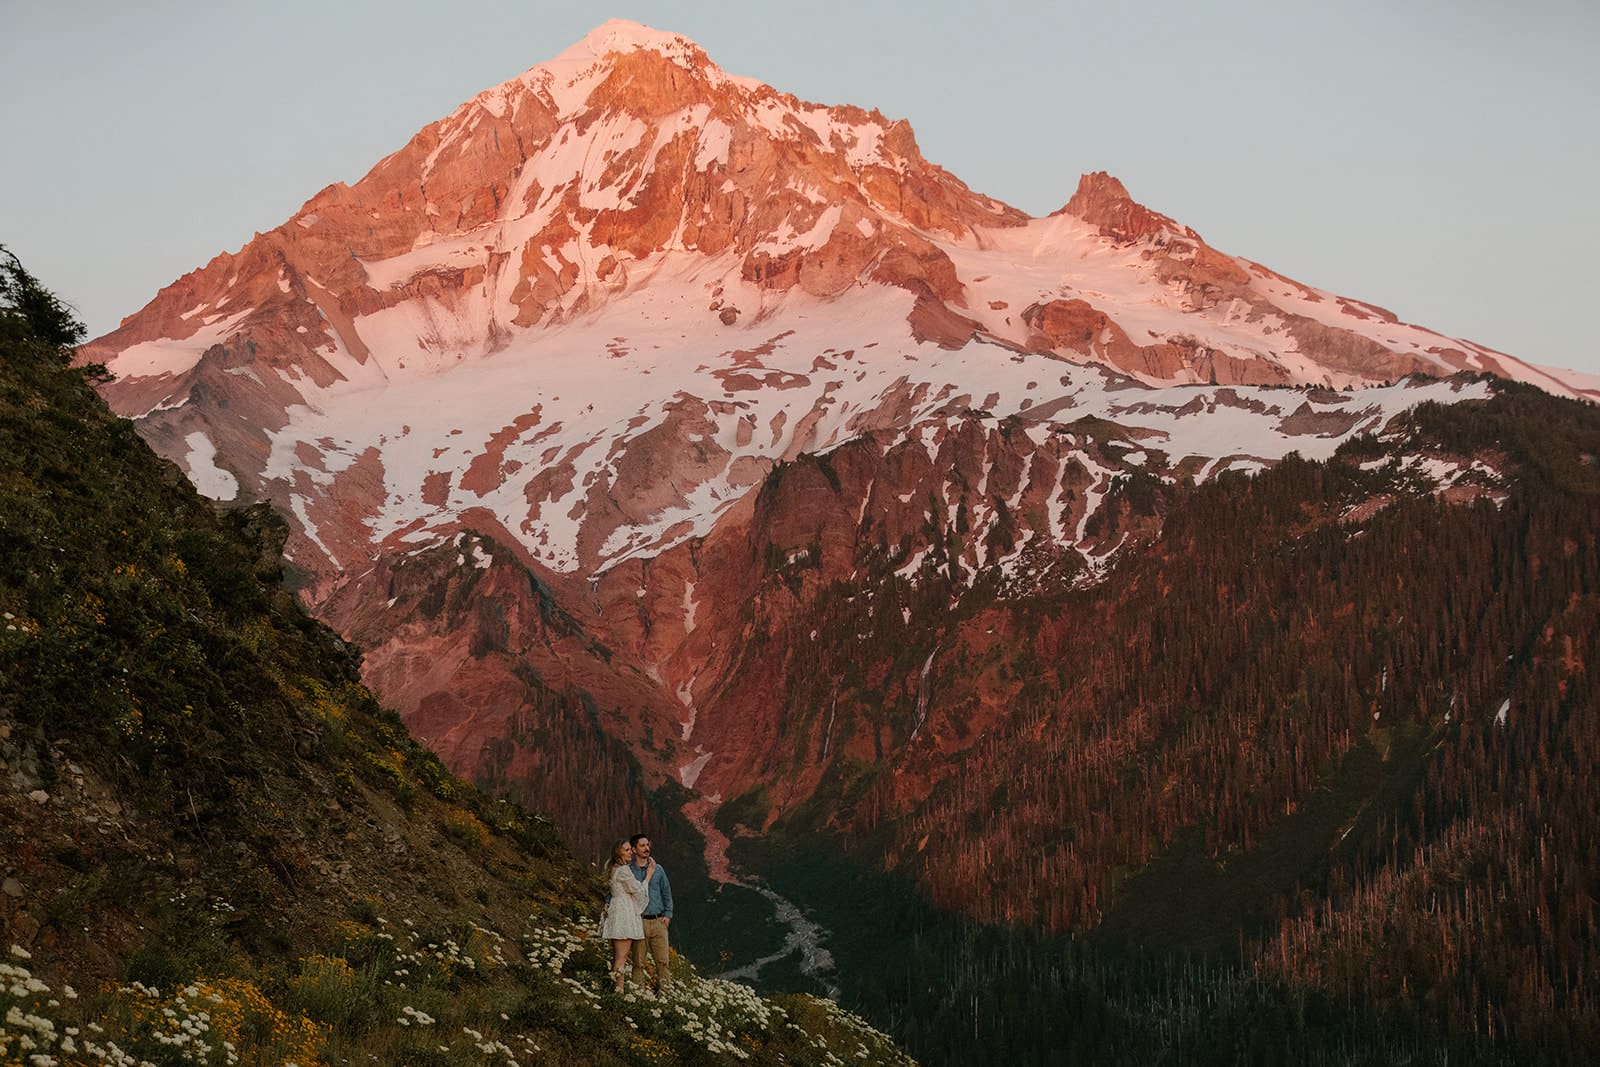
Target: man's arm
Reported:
[(666, 893)]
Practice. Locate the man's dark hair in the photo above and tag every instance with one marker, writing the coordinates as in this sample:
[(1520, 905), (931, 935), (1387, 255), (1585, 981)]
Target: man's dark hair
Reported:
[(634, 840)]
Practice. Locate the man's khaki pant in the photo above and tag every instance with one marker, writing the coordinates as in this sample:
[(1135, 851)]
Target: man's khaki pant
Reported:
[(655, 945)]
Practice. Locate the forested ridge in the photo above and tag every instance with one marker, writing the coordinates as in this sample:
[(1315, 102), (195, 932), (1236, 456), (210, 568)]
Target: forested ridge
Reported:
[(1327, 726)]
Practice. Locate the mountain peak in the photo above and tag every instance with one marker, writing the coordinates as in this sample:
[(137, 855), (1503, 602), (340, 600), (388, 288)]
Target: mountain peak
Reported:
[(1103, 201), (624, 35), (621, 37), (569, 80)]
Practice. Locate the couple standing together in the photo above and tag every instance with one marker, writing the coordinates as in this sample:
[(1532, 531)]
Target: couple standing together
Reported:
[(637, 916)]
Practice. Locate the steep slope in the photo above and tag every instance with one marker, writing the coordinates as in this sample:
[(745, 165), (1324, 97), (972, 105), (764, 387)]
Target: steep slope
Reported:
[(215, 846)]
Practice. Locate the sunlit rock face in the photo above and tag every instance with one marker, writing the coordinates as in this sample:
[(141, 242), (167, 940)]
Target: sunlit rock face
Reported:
[(543, 395)]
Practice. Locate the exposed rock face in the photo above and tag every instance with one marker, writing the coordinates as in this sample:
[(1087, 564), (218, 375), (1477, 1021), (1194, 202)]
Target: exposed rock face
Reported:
[(1206, 275), (1104, 203), (596, 380)]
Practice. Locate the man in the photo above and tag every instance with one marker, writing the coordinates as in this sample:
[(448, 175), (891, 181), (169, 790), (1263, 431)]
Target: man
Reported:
[(657, 916)]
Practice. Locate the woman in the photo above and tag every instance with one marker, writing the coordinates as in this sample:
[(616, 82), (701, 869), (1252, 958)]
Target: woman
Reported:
[(621, 922)]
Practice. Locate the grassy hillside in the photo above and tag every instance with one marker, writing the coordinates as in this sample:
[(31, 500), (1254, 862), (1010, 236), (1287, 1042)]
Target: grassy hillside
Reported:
[(216, 847)]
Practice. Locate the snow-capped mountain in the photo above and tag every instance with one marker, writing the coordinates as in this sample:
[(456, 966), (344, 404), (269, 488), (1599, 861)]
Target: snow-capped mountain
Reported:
[(626, 254), (577, 328)]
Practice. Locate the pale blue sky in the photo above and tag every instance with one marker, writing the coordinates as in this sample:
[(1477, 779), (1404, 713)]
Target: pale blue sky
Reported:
[(1440, 159)]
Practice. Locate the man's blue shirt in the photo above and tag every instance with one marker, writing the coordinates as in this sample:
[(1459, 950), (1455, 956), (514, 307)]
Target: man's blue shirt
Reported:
[(660, 903)]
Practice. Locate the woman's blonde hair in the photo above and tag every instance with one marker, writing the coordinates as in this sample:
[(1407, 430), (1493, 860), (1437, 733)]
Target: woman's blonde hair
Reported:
[(616, 856)]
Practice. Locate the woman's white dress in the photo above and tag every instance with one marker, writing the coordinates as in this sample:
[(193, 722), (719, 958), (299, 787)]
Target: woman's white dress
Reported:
[(628, 898)]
